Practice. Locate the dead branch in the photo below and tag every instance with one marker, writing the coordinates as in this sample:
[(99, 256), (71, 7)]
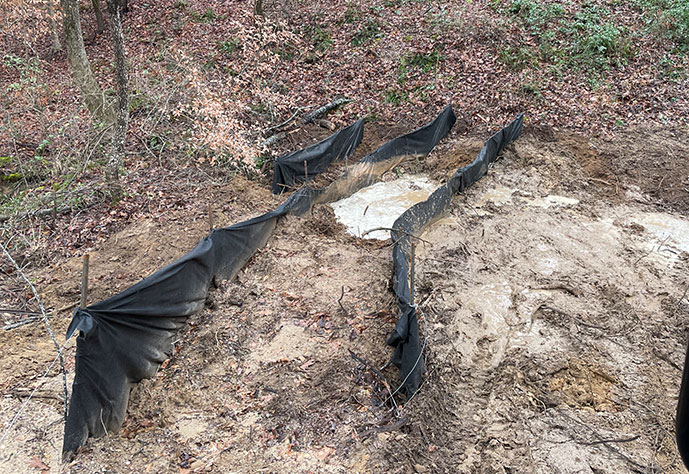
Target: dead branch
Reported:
[(19, 311), (45, 320), (390, 229), (612, 440), (339, 301), (605, 442), (50, 211), (679, 301), (286, 122), (380, 375), (311, 116), (18, 324), (651, 251), (273, 139)]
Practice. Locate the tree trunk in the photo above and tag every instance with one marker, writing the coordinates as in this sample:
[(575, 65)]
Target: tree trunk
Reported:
[(99, 17), (81, 69), (116, 160), (55, 46)]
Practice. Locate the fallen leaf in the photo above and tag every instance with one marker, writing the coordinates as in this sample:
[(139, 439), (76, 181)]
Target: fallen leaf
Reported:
[(38, 464)]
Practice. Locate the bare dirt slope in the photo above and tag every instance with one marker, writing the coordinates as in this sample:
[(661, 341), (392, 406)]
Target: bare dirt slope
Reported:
[(552, 305)]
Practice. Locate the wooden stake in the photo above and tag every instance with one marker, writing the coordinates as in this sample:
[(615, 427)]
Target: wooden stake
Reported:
[(210, 217), (411, 279), (84, 280), (54, 213)]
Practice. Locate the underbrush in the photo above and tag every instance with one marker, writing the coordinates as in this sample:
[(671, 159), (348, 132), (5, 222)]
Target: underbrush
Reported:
[(592, 37)]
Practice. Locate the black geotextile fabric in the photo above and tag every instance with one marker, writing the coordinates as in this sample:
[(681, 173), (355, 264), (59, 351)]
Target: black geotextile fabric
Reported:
[(408, 355), (419, 142), (299, 165), (125, 338), (682, 421)]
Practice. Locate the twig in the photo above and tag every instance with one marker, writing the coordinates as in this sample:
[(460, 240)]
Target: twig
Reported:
[(604, 442), (339, 301), (386, 428), (47, 325), (20, 323), (612, 440), (380, 375), (679, 301), (280, 125), (651, 251), (596, 180), (66, 307), (84, 280), (666, 358), (19, 311), (395, 230), (26, 402)]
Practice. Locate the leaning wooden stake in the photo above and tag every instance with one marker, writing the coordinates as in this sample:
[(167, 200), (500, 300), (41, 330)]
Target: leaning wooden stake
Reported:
[(411, 279), (210, 217), (84, 280)]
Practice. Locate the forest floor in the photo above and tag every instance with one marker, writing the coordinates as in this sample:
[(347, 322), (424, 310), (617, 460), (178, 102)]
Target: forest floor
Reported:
[(554, 294)]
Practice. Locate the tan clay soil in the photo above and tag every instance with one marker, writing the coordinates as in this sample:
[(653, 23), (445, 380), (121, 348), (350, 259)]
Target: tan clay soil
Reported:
[(551, 302)]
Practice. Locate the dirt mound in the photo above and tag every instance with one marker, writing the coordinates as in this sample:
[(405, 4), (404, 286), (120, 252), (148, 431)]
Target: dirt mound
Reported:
[(550, 302)]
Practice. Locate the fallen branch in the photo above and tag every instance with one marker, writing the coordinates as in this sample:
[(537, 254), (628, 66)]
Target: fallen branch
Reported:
[(33, 392), (652, 250), (18, 324), (604, 442), (311, 116), (286, 122), (380, 375), (612, 440), (49, 211), (396, 230), (679, 301), (339, 301), (19, 311), (45, 320), (273, 139)]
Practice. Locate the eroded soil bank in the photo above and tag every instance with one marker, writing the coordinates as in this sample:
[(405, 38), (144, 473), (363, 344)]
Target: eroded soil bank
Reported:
[(551, 297)]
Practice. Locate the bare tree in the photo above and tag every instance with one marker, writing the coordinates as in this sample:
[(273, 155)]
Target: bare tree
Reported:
[(100, 24), (55, 46), (116, 160), (81, 68), (94, 98)]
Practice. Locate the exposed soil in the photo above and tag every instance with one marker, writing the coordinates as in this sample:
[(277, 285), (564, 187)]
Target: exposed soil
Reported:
[(552, 307)]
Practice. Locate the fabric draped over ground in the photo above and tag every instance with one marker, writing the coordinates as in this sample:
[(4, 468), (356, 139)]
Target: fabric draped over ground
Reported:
[(126, 338), (408, 354), (682, 418), (300, 165)]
